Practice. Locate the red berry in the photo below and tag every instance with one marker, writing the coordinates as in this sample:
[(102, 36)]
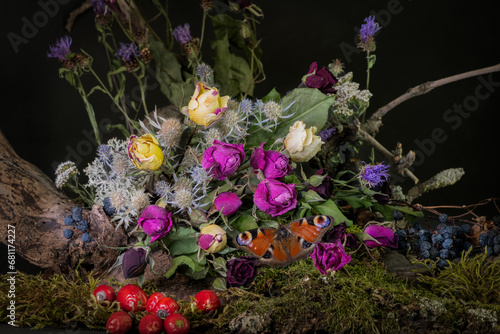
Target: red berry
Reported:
[(104, 293), (150, 324), (176, 324), (132, 298), (119, 323), (206, 301), (152, 300), (165, 307)]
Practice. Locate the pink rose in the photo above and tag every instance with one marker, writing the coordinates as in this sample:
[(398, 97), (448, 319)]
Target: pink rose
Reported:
[(273, 164), (384, 235), (329, 257), (222, 159), (227, 203), (155, 221), (274, 197)]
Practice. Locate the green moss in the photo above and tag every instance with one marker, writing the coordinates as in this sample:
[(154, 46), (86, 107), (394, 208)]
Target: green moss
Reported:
[(363, 297)]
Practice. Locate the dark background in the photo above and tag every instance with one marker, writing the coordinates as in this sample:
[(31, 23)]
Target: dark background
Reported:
[(44, 118)]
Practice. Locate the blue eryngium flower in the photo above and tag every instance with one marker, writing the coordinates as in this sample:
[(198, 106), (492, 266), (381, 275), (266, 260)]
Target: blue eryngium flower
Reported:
[(128, 52), (372, 175), (182, 34), (61, 49), (368, 29)]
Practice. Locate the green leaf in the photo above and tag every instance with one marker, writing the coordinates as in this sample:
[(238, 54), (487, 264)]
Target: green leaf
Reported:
[(387, 211), (306, 104), (245, 223), (331, 209), (169, 75), (181, 240), (183, 261), (311, 197), (219, 284), (272, 96), (371, 61), (232, 72), (357, 202)]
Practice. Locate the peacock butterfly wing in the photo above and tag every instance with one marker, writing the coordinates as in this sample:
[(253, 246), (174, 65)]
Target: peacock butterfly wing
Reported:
[(311, 229)]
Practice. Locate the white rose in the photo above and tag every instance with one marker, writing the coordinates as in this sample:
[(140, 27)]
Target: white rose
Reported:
[(302, 143)]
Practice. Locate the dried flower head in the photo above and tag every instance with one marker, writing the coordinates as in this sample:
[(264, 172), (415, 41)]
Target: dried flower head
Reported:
[(164, 190), (146, 55), (211, 135), (337, 68), (170, 132), (366, 33), (139, 200), (273, 111), (183, 183), (205, 73), (129, 53), (246, 107), (118, 199), (372, 175), (182, 34), (61, 49), (64, 171), (183, 198), (104, 154), (207, 5)]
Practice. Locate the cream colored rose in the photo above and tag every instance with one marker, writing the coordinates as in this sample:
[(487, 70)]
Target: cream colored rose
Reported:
[(302, 143), (206, 105)]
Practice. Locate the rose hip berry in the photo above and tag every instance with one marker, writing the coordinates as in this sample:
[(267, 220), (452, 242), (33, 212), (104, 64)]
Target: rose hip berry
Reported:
[(176, 324), (104, 293), (152, 300), (165, 307), (206, 301), (119, 323), (132, 298), (150, 324)]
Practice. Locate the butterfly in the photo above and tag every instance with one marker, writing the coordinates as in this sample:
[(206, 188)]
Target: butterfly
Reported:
[(278, 247)]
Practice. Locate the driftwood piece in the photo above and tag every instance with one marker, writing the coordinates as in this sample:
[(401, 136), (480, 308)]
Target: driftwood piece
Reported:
[(30, 202)]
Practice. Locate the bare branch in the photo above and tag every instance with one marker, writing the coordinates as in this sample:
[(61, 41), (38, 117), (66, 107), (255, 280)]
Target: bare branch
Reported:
[(373, 124)]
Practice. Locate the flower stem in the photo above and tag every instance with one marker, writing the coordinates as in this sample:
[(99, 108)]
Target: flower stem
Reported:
[(90, 110)]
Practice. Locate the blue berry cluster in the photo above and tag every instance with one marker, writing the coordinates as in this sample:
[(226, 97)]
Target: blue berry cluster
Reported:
[(108, 207), (76, 219), (491, 239), (446, 243)]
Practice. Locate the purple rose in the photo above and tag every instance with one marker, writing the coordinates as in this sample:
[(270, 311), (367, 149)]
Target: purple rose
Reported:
[(325, 189), (322, 79), (241, 270), (227, 203), (273, 164), (222, 159), (274, 197), (134, 262), (155, 221), (329, 257), (384, 235), (336, 234)]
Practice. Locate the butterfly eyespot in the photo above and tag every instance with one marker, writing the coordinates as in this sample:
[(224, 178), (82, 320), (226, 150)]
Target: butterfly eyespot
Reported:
[(244, 239), (306, 244), (322, 221), (267, 255)]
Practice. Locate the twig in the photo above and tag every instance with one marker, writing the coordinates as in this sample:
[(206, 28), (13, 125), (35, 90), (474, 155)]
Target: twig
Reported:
[(366, 137), (373, 124), (75, 13)]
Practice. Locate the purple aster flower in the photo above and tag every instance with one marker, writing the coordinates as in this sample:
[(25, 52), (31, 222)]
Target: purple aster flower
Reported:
[(61, 49), (326, 134), (182, 34), (372, 175), (100, 7), (368, 29), (128, 52)]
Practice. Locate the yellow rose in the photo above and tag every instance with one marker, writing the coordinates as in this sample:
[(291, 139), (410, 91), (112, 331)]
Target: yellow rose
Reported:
[(145, 152), (302, 143), (206, 105)]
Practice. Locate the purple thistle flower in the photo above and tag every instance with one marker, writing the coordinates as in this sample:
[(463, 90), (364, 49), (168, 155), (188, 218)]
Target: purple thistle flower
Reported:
[(100, 7), (326, 134), (128, 52), (368, 29), (182, 34), (61, 49), (372, 175)]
